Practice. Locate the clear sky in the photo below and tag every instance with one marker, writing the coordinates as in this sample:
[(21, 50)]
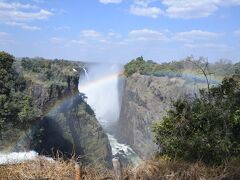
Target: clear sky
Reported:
[(120, 30)]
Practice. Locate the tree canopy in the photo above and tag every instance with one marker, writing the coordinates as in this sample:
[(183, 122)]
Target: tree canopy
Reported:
[(204, 128), (221, 68), (151, 68), (15, 105)]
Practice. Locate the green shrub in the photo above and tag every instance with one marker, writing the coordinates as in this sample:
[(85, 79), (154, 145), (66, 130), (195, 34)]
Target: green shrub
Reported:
[(206, 128), (220, 69), (15, 105), (47, 71), (134, 66), (151, 68)]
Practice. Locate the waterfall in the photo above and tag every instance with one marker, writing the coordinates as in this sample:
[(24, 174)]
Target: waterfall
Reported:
[(85, 73), (101, 85)]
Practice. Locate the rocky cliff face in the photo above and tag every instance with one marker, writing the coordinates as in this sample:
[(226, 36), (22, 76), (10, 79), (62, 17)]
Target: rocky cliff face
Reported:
[(145, 100), (72, 128), (65, 122), (44, 96)]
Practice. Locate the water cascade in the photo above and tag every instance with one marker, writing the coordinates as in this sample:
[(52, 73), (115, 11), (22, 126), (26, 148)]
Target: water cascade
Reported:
[(101, 84)]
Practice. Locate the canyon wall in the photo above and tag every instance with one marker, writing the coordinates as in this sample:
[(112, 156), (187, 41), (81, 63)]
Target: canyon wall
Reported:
[(145, 100), (64, 122)]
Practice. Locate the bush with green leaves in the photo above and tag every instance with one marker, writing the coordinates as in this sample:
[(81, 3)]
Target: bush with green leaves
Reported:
[(15, 105), (206, 128), (151, 68), (134, 66), (237, 68), (220, 69)]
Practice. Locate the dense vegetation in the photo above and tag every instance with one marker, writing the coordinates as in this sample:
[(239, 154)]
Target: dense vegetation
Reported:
[(47, 71), (15, 105), (151, 68), (206, 128), (220, 68)]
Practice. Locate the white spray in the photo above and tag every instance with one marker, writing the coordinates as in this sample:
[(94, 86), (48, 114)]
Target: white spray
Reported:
[(101, 85)]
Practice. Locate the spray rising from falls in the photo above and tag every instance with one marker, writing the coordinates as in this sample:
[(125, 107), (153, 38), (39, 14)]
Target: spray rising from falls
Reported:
[(101, 84)]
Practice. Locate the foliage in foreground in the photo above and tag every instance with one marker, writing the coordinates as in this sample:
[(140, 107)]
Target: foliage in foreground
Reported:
[(15, 105), (206, 128)]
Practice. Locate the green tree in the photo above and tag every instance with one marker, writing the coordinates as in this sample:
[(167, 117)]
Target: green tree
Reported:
[(6, 74), (139, 65), (134, 66), (237, 68), (15, 105), (200, 129)]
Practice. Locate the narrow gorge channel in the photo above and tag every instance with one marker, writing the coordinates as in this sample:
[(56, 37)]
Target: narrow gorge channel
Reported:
[(102, 85)]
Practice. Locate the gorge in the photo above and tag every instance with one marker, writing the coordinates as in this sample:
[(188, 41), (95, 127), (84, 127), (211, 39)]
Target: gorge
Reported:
[(64, 123), (94, 110), (102, 84)]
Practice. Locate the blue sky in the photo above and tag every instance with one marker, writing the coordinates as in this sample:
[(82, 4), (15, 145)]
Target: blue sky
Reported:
[(120, 30)]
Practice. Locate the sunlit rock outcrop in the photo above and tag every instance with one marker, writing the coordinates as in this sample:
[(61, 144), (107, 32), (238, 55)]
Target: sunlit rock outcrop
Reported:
[(145, 100)]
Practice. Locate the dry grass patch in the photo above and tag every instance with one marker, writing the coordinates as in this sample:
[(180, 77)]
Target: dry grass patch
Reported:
[(42, 169), (164, 170)]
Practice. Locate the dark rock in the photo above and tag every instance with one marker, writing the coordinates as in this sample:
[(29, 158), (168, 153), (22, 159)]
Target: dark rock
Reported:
[(72, 129)]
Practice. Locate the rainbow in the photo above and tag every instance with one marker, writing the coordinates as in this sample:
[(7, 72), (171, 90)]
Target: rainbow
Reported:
[(94, 83), (51, 109), (56, 105), (187, 75)]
